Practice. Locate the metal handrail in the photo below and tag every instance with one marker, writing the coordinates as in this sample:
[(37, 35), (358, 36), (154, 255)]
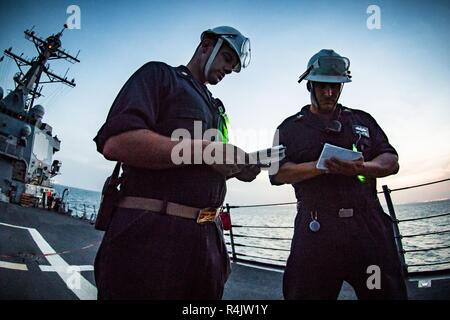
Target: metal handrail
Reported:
[(290, 203), (424, 234), (428, 264), (262, 227), (423, 218), (386, 191), (259, 247), (426, 249), (260, 237), (91, 216), (421, 185), (262, 205), (258, 257)]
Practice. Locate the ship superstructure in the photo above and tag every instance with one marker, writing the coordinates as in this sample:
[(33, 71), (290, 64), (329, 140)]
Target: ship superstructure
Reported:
[(27, 144)]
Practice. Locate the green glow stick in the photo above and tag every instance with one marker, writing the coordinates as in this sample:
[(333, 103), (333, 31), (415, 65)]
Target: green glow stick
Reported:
[(361, 178)]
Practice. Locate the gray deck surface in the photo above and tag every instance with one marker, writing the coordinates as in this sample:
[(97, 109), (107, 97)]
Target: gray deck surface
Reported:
[(250, 283), (77, 242)]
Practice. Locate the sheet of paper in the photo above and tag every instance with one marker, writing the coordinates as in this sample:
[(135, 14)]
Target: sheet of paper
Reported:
[(267, 156), (330, 150)]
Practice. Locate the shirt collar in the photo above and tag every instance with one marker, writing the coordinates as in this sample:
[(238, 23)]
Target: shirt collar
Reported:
[(184, 72)]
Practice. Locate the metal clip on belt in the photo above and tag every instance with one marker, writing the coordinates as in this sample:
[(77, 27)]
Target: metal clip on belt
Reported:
[(173, 209)]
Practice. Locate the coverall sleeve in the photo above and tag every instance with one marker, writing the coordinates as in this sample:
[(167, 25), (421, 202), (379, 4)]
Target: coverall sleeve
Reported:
[(381, 141), (136, 106)]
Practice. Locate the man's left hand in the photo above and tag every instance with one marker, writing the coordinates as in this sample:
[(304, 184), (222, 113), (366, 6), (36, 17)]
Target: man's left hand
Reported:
[(345, 167)]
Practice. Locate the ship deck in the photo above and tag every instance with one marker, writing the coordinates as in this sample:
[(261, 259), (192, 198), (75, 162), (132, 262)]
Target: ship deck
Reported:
[(49, 256)]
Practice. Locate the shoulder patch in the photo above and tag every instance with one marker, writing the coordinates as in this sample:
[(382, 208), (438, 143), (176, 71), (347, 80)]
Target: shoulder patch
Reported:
[(361, 130)]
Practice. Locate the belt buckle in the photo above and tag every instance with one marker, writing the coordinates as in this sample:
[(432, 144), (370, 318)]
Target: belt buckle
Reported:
[(207, 215)]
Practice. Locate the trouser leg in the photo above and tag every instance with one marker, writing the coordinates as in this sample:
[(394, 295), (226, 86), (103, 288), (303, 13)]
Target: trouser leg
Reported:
[(314, 268), (304, 283), (374, 267)]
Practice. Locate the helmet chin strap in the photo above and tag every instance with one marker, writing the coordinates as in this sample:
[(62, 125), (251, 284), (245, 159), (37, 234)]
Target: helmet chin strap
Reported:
[(211, 58)]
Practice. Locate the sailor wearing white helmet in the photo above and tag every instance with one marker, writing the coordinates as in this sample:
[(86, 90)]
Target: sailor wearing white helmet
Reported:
[(164, 240), (341, 231)]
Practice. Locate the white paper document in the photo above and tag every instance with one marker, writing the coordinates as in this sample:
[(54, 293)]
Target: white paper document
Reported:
[(330, 150), (268, 156)]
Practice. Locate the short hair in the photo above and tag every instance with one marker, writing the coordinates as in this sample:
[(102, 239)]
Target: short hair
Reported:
[(209, 37)]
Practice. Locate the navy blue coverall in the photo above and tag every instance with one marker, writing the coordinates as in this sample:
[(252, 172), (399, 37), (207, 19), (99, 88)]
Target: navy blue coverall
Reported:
[(344, 247), (151, 255)]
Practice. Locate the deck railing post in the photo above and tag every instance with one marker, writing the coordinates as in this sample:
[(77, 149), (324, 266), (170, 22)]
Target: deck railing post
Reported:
[(398, 237), (233, 249)]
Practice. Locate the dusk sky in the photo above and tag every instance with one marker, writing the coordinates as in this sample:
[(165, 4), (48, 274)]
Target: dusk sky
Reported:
[(401, 74)]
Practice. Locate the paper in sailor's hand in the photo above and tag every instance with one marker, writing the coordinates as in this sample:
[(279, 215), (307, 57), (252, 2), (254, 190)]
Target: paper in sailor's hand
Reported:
[(330, 150), (266, 157)]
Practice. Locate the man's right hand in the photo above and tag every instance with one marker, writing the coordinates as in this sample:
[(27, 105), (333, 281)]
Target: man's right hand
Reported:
[(345, 167)]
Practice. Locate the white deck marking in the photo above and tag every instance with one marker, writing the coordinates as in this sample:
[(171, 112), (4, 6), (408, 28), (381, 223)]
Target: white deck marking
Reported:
[(13, 226), (13, 266), (86, 291), (45, 268)]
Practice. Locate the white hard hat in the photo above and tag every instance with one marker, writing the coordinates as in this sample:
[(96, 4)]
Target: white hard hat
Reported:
[(327, 66), (238, 42)]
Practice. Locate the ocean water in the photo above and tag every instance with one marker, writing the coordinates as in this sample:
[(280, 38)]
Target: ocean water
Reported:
[(265, 219), (283, 216)]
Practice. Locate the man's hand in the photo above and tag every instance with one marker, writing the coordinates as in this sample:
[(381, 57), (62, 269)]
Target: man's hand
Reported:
[(227, 170), (345, 167), (248, 173), (227, 159)]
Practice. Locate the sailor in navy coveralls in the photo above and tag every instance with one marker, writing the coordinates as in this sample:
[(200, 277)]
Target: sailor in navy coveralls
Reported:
[(341, 232), (165, 239)]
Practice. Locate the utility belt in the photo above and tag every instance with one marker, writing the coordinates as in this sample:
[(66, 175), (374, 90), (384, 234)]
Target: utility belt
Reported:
[(339, 208), (343, 211), (334, 204), (113, 198), (173, 209)]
